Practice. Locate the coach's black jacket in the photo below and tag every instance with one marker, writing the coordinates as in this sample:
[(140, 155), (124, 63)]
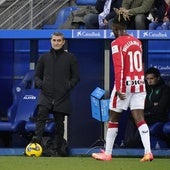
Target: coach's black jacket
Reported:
[(56, 74)]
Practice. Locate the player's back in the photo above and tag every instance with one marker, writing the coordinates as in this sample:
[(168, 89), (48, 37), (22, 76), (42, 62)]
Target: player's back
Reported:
[(128, 55)]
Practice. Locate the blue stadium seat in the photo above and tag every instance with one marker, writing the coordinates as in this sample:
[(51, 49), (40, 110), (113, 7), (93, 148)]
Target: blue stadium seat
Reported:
[(156, 129), (19, 113), (26, 83), (157, 136), (23, 108), (61, 17), (166, 129)]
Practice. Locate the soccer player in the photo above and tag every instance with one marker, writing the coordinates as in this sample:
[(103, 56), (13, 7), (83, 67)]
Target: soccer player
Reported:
[(129, 88)]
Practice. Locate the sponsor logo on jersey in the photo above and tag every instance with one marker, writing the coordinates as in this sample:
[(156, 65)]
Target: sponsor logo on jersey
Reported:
[(115, 49), (134, 82)]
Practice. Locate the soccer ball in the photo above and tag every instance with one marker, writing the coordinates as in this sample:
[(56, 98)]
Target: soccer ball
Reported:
[(33, 149)]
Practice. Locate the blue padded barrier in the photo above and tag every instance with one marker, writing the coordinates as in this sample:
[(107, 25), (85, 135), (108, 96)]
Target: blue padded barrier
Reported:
[(86, 2), (61, 17)]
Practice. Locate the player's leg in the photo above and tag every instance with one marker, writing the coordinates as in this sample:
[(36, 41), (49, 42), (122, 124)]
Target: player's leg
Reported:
[(144, 134), (137, 109), (112, 129), (110, 137)]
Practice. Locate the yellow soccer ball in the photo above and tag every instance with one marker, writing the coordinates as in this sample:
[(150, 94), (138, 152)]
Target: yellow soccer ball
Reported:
[(33, 149)]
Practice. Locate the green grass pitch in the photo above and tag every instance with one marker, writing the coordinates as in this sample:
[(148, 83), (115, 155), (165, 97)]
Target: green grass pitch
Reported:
[(80, 163)]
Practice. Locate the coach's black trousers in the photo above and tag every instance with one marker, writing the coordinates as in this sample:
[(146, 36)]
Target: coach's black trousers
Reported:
[(42, 117)]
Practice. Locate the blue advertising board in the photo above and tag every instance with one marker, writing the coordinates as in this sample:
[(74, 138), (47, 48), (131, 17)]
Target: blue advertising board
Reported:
[(82, 34)]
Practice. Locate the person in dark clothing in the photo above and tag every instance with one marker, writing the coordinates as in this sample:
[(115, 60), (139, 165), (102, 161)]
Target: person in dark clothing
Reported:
[(161, 15), (56, 74), (157, 98), (104, 15), (156, 106), (138, 11)]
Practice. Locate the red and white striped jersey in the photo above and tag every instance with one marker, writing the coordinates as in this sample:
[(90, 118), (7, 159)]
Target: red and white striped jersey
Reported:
[(128, 65)]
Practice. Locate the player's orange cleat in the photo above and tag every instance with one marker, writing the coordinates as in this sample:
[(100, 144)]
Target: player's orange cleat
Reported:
[(102, 156), (147, 157)]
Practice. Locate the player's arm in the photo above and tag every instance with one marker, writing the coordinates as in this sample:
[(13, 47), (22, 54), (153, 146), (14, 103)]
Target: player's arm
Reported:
[(118, 69)]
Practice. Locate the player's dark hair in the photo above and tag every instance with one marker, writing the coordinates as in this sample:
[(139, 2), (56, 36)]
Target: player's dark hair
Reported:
[(118, 19)]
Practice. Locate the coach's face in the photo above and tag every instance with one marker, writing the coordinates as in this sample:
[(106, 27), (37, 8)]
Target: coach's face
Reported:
[(57, 42)]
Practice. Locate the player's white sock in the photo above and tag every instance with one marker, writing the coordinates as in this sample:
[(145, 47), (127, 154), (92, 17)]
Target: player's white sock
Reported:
[(110, 136), (145, 136)]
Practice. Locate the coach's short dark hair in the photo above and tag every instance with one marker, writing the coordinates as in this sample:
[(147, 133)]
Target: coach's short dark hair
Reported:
[(58, 34)]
